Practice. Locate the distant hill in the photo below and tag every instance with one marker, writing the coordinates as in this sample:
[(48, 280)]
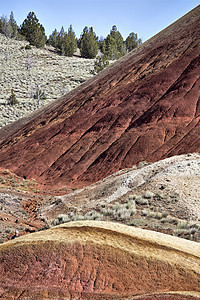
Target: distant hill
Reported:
[(144, 107)]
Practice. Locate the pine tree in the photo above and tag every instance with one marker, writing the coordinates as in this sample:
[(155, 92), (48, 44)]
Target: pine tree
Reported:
[(65, 42), (100, 64), (60, 41), (1, 26), (113, 45), (88, 43), (53, 38), (5, 26), (33, 31), (70, 42), (101, 40), (13, 26), (132, 41)]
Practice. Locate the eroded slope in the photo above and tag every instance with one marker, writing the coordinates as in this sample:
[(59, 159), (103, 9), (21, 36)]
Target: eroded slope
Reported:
[(143, 107), (99, 260)]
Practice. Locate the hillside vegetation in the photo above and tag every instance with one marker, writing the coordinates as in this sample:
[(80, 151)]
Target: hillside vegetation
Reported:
[(26, 71)]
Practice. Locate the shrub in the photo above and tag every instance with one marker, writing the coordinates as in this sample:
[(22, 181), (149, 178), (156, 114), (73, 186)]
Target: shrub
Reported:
[(151, 214), (165, 214), (92, 215), (100, 64), (130, 204), (142, 164), (193, 230), (136, 222), (61, 219), (179, 232), (78, 218), (125, 214), (148, 195), (28, 47), (107, 211), (6, 172), (132, 197), (40, 95), (12, 100), (182, 224), (141, 201), (133, 211), (194, 225), (164, 220), (116, 205), (173, 221), (158, 215), (145, 212)]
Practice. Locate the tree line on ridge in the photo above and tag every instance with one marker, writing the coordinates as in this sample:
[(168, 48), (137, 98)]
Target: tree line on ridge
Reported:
[(112, 47)]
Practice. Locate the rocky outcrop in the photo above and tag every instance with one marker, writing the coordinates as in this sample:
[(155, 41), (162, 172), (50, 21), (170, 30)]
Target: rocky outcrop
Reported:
[(98, 260), (143, 107)]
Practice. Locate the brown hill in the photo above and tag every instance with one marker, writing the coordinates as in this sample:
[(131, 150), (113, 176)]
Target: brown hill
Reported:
[(144, 107), (99, 260)]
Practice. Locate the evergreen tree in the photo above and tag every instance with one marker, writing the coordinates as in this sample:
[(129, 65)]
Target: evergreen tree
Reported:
[(39, 38), (1, 26), (100, 64), (113, 45), (88, 43), (101, 40), (70, 42), (33, 31), (132, 41), (62, 32), (53, 38), (5, 26), (60, 39), (65, 42), (13, 26)]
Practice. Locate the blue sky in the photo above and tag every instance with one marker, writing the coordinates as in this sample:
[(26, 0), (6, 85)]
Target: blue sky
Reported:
[(144, 17)]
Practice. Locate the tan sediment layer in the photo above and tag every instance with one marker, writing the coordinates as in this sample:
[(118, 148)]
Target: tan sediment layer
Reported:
[(98, 259)]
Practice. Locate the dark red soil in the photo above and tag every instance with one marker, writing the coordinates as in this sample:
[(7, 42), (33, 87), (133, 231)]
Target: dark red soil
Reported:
[(146, 106)]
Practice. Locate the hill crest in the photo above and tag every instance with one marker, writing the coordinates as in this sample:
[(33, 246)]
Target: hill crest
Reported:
[(99, 259)]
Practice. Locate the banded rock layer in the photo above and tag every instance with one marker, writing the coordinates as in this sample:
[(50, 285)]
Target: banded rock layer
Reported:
[(99, 260)]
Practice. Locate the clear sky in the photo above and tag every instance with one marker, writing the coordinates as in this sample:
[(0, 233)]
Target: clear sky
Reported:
[(144, 17)]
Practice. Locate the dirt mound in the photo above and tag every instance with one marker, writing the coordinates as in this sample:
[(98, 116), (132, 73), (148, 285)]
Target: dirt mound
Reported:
[(100, 259), (143, 107), (177, 177), (162, 196)]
